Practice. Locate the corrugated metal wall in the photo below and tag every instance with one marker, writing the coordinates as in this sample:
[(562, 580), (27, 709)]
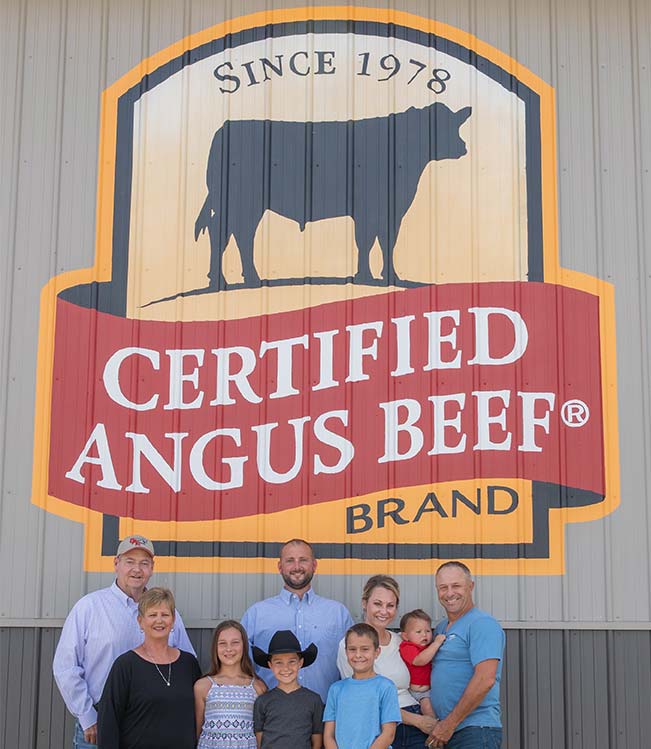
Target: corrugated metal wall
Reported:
[(566, 689), (563, 686)]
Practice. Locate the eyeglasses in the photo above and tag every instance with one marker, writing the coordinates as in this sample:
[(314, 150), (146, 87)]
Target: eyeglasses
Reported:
[(143, 564)]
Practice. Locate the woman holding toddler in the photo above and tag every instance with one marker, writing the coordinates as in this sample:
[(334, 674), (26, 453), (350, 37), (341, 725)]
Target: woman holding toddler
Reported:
[(380, 599)]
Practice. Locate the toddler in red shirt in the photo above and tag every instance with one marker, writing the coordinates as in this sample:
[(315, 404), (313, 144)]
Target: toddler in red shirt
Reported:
[(418, 650)]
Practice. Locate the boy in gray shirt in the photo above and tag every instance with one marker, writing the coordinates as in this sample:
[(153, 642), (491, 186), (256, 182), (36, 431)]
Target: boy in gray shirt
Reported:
[(288, 715)]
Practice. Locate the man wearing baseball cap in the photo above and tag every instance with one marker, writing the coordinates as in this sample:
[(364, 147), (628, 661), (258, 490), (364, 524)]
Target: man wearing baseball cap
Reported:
[(101, 626)]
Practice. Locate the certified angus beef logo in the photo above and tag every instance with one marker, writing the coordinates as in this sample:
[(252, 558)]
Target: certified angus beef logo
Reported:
[(327, 303)]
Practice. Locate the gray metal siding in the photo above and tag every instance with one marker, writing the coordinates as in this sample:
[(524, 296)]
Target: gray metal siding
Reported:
[(561, 689)]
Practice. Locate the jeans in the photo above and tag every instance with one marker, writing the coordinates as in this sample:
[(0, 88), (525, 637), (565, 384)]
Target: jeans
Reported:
[(409, 737), (476, 737), (78, 741)]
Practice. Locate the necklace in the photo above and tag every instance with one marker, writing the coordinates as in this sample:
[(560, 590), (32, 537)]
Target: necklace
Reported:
[(168, 681)]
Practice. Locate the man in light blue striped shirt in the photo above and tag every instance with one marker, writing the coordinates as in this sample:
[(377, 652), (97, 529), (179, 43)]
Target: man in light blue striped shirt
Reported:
[(309, 616), (101, 626)]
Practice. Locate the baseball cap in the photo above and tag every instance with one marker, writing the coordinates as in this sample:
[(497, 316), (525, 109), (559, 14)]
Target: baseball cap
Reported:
[(135, 542)]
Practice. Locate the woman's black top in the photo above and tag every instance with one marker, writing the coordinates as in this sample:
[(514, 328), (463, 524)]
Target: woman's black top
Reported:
[(139, 711)]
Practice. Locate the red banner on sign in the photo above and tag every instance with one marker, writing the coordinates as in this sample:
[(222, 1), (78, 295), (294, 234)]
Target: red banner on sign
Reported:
[(205, 420)]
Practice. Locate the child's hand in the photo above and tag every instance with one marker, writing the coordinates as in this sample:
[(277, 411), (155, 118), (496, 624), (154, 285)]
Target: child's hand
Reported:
[(439, 640)]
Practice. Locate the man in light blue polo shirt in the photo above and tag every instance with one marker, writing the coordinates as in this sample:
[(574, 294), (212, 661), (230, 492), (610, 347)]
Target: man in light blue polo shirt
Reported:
[(309, 616), (467, 669)]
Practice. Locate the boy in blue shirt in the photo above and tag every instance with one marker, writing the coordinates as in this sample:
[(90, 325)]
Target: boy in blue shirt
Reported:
[(361, 711)]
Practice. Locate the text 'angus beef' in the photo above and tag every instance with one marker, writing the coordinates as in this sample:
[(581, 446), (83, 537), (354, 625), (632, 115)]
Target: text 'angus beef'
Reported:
[(307, 171)]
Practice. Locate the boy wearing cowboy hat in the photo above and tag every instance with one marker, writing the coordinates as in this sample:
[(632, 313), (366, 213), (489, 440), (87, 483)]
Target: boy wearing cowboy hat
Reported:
[(288, 715)]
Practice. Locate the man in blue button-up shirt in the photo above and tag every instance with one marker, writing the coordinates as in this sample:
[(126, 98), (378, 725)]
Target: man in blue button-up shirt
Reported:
[(101, 626), (309, 616)]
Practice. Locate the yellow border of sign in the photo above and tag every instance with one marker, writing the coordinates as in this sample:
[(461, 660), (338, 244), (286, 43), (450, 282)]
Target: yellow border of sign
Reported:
[(101, 271)]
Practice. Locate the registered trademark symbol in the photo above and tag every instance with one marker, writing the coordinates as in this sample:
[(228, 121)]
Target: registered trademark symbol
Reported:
[(575, 413)]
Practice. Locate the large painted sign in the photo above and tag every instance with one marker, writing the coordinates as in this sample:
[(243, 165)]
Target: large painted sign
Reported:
[(327, 303)]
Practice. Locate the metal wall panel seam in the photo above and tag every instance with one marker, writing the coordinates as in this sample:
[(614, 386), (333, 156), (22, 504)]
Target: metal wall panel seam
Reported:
[(597, 195), (643, 243), (515, 626), (13, 134), (39, 582)]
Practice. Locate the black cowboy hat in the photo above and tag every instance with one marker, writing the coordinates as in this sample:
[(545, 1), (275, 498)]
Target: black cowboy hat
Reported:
[(285, 641)]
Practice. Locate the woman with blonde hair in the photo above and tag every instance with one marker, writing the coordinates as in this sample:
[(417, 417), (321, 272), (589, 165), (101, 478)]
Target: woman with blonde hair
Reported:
[(380, 599), (148, 699)]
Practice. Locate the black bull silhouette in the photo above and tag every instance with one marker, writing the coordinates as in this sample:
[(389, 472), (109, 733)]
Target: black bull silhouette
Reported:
[(306, 171)]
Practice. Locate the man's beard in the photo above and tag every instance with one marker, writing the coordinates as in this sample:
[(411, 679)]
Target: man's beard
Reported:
[(295, 584)]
